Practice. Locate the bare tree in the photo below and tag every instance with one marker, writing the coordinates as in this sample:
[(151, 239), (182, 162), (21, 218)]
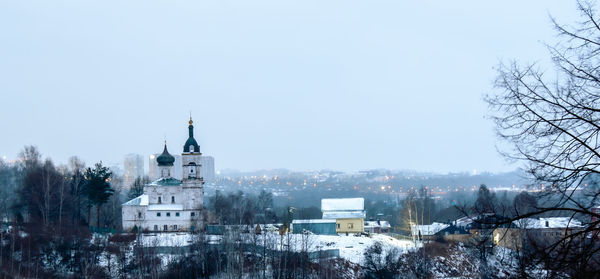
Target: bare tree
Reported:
[(552, 122)]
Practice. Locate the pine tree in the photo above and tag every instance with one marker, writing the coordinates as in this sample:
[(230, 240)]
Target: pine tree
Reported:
[(97, 188)]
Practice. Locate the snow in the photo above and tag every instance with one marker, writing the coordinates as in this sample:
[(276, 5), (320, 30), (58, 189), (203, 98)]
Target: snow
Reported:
[(352, 204), (141, 200), (428, 229), (313, 221), (351, 248), (551, 222), (172, 239), (343, 214), (463, 222), (377, 224), (172, 206)]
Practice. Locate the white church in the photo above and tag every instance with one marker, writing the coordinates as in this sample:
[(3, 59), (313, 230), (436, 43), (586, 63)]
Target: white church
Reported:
[(169, 204)]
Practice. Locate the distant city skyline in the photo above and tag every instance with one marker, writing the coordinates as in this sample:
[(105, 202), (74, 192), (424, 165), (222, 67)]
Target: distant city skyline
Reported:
[(341, 85)]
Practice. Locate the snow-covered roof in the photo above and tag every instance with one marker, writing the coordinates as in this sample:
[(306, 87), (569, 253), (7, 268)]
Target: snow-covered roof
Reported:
[(313, 221), (377, 224), (352, 204), (141, 200), (428, 229), (167, 206), (551, 222), (464, 221), (165, 181), (343, 214)]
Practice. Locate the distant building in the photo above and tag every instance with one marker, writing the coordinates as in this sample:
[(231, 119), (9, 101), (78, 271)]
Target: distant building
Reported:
[(153, 172), (377, 226), (133, 167), (349, 214), (316, 226), (208, 169), (542, 231), (427, 231), (170, 204)]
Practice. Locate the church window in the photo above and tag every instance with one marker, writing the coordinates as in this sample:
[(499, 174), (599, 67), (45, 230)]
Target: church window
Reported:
[(168, 214), (191, 148), (159, 200), (176, 214), (193, 214), (165, 227), (172, 199)]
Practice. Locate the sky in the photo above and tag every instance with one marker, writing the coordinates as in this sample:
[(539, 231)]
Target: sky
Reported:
[(305, 85)]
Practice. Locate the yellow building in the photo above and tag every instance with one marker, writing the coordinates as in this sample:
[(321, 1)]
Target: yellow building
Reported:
[(349, 225), (349, 214)]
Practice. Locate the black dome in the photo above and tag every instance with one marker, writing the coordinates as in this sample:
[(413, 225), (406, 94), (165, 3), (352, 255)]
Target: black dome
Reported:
[(165, 159)]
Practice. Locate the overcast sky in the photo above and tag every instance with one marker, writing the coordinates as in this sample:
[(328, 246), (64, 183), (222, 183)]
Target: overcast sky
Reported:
[(344, 85)]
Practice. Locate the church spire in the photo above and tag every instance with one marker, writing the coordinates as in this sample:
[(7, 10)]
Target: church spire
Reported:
[(191, 128), (191, 146)]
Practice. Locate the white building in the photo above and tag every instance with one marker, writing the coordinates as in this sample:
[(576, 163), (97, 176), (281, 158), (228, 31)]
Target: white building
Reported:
[(170, 204), (133, 167)]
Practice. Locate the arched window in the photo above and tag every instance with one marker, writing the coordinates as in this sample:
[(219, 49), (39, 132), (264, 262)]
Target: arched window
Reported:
[(191, 148), (172, 199)]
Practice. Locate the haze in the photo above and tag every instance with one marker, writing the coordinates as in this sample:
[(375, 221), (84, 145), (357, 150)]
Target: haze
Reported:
[(345, 85)]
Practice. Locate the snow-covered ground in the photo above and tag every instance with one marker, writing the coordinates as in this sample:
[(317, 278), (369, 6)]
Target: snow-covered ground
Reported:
[(351, 248)]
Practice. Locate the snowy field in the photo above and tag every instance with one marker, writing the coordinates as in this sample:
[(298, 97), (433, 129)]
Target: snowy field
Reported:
[(351, 247)]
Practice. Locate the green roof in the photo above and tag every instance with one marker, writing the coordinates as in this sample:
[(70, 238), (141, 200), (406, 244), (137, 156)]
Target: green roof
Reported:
[(165, 181)]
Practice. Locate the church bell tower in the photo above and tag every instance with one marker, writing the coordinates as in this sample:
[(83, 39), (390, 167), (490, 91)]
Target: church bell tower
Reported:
[(192, 180)]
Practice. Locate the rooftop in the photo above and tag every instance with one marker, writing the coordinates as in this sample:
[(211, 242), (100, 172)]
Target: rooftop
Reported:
[(141, 200), (344, 214), (164, 207), (165, 181), (551, 222), (352, 204), (428, 229), (313, 221), (375, 224)]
